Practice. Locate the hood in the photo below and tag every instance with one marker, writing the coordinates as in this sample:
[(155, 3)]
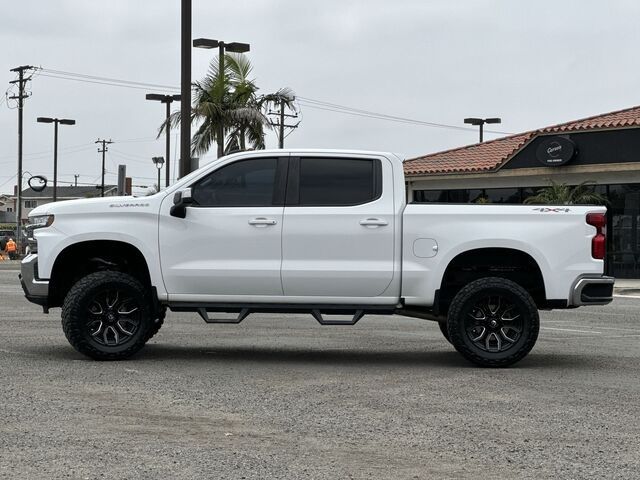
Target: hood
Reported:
[(100, 204)]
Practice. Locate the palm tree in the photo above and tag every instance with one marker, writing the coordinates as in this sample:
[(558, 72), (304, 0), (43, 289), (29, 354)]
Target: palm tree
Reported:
[(227, 108), (563, 194)]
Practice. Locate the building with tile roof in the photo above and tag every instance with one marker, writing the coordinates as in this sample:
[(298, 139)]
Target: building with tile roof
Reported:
[(603, 150)]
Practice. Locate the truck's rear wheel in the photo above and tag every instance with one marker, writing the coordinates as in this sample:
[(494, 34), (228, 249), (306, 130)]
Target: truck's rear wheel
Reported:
[(106, 316), (493, 322)]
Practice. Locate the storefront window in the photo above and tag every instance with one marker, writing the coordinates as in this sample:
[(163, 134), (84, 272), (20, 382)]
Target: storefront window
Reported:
[(458, 196), (477, 196), (430, 196), (624, 232), (503, 195)]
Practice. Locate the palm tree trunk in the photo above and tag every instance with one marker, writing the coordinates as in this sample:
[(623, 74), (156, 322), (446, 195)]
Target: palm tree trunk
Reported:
[(242, 140), (220, 140)]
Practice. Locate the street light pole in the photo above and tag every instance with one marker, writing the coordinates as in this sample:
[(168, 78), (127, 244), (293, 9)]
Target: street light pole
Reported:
[(235, 47), (55, 121), (166, 99), (158, 162), (185, 89), (480, 122)]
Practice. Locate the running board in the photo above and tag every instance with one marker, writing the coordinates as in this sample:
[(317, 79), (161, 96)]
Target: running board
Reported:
[(244, 313), (356, 316)]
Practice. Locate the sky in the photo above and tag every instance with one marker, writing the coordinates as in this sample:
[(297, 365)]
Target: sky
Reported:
[(531, 63)]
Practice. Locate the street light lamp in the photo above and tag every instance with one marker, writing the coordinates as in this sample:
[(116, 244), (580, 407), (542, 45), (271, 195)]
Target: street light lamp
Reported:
[(481, 121), (158, 162), (55, 121), (235, 47), (166, 99)]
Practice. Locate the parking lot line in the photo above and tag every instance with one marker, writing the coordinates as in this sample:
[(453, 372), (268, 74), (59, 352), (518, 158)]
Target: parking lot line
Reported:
[(570, 330), (584, 311), (595, 326)]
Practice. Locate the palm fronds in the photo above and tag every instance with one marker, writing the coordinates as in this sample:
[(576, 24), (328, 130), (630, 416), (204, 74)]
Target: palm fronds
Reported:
[(563, 194)]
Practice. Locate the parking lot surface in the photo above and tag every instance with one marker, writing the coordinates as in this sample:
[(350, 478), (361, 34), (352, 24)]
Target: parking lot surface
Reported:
[(282, 397)]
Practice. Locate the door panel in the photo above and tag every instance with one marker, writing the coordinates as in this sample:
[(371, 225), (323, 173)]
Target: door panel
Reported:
[(338, 251), (229, 243), (218, 251)]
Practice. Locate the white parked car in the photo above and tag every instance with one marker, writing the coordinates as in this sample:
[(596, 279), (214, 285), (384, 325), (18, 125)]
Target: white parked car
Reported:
[(324, 232)]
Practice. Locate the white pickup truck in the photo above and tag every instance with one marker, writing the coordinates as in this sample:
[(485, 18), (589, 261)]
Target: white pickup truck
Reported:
[(324, 232)]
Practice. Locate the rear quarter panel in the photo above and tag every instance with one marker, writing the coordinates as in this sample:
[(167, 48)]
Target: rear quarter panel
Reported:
[(556, 237)]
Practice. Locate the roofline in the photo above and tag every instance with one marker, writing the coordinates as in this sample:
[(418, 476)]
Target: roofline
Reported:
[(614, 112), (515, 152), (538, 132)]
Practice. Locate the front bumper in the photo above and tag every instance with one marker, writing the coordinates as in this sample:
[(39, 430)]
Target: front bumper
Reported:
[(36, 290), (592, 291)]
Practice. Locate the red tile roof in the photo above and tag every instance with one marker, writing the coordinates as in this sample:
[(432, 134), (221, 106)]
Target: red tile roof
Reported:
[(491, 155)]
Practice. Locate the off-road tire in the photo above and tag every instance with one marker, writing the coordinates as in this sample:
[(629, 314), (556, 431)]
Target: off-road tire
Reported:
[(473, 295), (76, 316)]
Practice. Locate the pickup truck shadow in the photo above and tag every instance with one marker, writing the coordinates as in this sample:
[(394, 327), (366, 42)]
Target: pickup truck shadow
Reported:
[(288, 355), (443, 358)]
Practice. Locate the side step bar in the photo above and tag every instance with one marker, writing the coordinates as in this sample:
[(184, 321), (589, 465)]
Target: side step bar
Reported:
[(244, 313), (319, 312), (356, 316)]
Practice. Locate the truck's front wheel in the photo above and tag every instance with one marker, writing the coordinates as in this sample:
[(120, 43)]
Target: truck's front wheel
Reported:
[(106, 316), (493, 322)]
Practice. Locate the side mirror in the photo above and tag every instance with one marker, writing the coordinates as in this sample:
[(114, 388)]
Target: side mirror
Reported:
[(181, 199)]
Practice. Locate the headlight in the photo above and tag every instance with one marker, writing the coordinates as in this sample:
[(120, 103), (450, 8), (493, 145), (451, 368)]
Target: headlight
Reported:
[(40, 221)]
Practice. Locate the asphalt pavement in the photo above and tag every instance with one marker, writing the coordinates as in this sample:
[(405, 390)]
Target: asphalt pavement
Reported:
[(282, 397)]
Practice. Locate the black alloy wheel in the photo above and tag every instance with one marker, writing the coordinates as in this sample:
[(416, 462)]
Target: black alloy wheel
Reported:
[(113, 317), (493, 322), (107, 316)]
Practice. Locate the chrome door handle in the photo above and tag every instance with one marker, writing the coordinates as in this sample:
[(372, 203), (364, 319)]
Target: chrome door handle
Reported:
[(262, 221), (373, 222)]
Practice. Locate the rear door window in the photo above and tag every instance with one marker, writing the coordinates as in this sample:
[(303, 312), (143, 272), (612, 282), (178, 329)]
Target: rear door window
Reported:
[(335, 181)]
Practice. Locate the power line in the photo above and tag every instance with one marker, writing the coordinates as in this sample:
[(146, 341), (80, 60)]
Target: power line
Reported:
[(305, 101), (47, 154), (112, 84), (10, 178), (334, 107), (107, 79)]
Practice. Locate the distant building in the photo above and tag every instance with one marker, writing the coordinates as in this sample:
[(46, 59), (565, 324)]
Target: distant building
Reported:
[(7, 209), (603, 149)]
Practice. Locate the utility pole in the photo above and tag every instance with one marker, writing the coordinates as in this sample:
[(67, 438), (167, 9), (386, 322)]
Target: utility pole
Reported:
[(21, 82), (280, 124), (103, 151), (281, 139)]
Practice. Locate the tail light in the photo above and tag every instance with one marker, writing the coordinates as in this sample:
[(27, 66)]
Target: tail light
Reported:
[(599, 242)]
